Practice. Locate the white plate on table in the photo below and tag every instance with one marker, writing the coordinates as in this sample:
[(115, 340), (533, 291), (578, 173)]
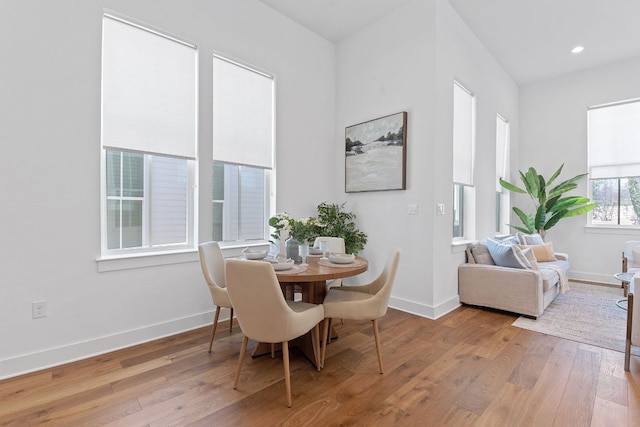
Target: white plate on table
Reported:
[(252, 253), (282, 265), (342, 258)]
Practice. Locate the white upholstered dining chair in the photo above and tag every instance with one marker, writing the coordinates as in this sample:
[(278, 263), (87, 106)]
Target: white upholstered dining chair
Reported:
[(366, 302), (335, 244), (264, 315), (212, 264)]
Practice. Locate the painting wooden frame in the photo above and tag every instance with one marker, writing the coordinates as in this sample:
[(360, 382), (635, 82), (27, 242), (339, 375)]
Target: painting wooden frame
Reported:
[(376, 154)]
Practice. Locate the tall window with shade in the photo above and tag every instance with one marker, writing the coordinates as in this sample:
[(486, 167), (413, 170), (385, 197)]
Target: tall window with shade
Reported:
[(149, 139), (243, 146), (614, 164), (463, 161)]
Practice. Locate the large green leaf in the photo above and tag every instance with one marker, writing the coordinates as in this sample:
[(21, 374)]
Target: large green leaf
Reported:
[(567, 185), (522, 229), (551, 202), (527, 220), (555, 175), (569, 202), (581, 210), (542, 190), (541, 216), (511, 187), (531, 182), (555, 218)]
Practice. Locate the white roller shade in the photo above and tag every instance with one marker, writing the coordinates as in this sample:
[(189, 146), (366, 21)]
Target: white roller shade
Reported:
[(463, 135), (242, 115), (149, 91), (614, 140), (502, 148)]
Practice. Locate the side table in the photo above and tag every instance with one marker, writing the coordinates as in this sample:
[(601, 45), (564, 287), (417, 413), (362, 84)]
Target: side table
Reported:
[(625, 278)]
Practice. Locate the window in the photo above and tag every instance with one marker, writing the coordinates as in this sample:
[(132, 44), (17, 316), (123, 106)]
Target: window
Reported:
[(148, 139), (243, 117), (614, 163), (502, 171), (463, 161)]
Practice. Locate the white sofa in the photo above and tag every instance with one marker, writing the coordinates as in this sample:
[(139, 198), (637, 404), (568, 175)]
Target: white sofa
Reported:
[(518, 290)]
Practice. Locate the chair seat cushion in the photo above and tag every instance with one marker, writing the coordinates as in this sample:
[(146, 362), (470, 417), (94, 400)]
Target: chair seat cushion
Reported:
[(344, 304)]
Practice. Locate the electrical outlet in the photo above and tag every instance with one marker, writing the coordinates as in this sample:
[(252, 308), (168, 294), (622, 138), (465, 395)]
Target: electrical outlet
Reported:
[(38, 309)]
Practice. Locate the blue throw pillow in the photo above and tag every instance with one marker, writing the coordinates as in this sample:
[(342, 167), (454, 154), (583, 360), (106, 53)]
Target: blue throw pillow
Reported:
[(530, 239), (507, 255)]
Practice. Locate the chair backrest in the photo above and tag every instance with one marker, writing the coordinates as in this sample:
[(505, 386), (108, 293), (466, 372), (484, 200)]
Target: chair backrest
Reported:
[(258, 301), (631, 251), (381, 286), (336, 244), (213, 269)]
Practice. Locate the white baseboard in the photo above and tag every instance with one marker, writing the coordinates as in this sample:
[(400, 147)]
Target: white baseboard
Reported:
[(422, 310), (26, 363), (592, 277)]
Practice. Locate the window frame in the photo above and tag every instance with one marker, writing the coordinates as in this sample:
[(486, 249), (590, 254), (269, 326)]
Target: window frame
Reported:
[(269, 172), (623, 173), (466, 190), (116, 259)]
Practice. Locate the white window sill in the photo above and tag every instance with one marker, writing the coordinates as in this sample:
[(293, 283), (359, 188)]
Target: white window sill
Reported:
[(152, 259), (458, 246), (148, 259), (602, 229)]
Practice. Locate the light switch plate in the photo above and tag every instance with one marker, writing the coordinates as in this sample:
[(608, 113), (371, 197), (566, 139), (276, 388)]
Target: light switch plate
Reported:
[(439, 208), (412, 209)]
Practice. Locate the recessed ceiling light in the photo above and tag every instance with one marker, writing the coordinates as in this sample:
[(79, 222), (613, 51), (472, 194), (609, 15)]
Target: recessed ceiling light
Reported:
[(577, 49)]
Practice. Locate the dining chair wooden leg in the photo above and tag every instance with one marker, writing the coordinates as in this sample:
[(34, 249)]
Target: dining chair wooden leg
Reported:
[(325, 333), (213, 328), (316, 345), (330, 326), (287, 377), (231, 321), (243, 349), (627, 347), (273, 350), (376, 334)]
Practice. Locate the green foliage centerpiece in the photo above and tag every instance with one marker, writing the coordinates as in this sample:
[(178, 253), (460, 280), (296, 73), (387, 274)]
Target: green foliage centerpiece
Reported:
[(550, 206), (332, 220)]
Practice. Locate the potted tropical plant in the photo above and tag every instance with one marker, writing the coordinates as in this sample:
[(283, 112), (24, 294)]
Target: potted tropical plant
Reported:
[(550, 205)]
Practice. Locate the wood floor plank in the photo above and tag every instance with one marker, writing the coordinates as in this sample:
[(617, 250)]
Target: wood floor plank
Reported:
[(470, 367), (576, 406)]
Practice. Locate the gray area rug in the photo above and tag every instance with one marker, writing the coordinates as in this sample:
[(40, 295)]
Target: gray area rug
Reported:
[(587, 314)]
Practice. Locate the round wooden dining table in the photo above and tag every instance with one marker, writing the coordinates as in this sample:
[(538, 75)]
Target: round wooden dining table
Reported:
[(311, 282)]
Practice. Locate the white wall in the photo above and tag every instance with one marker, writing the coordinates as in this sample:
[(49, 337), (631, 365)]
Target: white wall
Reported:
[(407, 61), (554, 131), (49, 167)]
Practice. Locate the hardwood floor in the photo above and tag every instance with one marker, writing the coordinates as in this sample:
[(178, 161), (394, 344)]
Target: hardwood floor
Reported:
[(470, 367)]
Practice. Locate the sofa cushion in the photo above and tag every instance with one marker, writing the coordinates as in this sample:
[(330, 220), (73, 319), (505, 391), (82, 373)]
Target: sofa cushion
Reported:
[(542, 252), (549, 275), (528, 253), (481, 254), (507, 255), (529, 239)]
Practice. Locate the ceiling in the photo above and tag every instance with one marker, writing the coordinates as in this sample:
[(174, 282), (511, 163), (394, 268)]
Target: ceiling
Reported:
[(531, 39)]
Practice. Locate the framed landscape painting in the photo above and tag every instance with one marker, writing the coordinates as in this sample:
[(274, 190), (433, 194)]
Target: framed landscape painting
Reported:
[(376, 154)]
